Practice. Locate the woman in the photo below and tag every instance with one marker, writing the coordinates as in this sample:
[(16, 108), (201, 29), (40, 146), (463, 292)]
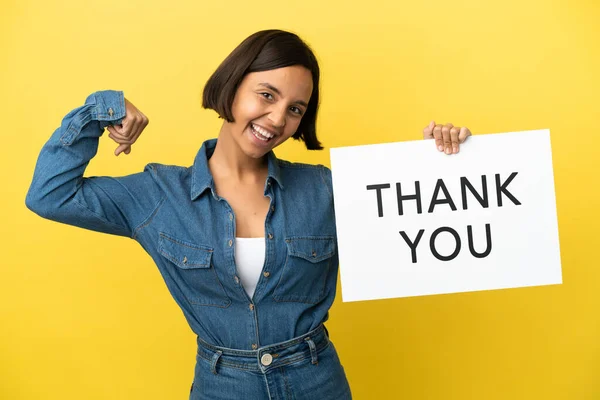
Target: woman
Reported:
[(245, 242)]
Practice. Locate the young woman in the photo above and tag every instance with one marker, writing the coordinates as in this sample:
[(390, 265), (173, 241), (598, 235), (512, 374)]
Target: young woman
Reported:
[(245, 242)]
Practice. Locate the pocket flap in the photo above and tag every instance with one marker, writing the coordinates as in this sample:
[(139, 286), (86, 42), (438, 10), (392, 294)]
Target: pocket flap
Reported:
[(184, 254), (313, 249)]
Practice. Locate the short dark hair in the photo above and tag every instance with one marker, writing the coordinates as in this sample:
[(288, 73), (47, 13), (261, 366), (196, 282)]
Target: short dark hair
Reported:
[(264, 51)]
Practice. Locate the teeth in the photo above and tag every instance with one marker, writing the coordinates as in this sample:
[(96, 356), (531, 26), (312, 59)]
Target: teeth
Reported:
[(259, 136), (262, 132)]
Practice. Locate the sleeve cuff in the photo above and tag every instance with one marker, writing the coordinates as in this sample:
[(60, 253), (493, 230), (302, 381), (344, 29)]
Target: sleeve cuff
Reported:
[(109, 107)]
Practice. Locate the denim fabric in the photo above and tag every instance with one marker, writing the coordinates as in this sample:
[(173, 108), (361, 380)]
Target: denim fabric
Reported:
[(175, 214), (303, 368)]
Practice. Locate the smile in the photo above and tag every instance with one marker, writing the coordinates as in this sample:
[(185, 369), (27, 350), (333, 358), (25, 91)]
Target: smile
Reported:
[(261, 133)]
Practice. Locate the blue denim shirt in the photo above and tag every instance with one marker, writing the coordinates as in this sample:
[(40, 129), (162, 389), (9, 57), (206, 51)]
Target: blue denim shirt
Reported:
[(175, 214)]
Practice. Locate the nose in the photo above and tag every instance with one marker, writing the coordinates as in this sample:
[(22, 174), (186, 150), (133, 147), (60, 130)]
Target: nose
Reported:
[(277, 117)]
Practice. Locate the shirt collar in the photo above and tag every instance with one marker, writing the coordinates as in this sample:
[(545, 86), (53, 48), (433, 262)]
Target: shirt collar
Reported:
[(202, 178)]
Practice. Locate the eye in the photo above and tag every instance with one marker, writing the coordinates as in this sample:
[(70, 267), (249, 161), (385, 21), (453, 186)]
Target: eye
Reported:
[(296, 110), (267, 95)]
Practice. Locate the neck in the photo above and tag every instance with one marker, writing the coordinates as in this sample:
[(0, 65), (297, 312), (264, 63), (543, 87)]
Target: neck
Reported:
[(229, 160)]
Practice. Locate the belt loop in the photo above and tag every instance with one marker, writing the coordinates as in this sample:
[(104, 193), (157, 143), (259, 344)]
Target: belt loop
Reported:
[(215, 359), (313, 350)]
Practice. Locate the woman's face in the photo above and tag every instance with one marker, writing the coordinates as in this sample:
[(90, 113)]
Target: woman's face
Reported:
[(268, 107)]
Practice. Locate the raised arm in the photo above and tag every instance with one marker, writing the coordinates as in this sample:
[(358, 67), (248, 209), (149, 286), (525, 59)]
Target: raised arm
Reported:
[(58, 191)]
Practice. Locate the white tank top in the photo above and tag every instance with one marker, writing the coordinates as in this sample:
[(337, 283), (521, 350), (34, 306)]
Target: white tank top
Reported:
[(249, 260)]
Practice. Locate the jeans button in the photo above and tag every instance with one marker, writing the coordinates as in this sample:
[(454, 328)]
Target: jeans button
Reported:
[(266, 359)]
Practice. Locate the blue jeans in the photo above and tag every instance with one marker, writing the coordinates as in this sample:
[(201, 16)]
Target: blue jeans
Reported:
[(306, 367)]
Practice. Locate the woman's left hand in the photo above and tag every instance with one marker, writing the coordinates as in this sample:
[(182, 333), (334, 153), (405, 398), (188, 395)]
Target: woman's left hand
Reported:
[(447, 137)]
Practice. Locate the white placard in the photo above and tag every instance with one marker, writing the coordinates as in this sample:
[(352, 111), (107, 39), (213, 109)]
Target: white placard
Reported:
[(513, 239)]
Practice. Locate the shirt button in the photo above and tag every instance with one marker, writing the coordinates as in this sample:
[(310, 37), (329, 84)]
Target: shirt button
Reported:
[(270, 236), (230, 242), (254, 346), (251, 307), (272, 208), (230, 216), (110, 112), (266, 359), (266, 274), (236, 278)]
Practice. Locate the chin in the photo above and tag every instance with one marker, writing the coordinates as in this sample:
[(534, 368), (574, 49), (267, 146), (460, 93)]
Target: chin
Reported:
[(253, 153)]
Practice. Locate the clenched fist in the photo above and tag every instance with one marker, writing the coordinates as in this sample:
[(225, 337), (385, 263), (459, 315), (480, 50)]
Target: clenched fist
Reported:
[(129, 130)]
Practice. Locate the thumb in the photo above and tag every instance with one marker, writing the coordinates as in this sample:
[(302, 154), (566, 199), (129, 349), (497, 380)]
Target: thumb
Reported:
[(428, 131)]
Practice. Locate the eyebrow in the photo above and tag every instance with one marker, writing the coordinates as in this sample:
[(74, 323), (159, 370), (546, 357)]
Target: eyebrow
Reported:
[(274, 89)]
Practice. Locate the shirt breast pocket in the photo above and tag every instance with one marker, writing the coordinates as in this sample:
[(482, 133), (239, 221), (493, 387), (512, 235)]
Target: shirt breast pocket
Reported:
[(195, 273), (306, 268)]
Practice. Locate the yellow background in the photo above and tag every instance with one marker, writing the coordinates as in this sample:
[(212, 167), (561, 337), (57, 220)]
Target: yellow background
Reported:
[(87, 316)]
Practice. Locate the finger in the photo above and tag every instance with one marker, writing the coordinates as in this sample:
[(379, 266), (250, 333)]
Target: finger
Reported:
[(134, 138), (112, 129), (463, 134), (119, 140), (454, 131), (446, 138), (114, 134), (135, 126), (121, 148), (437, 134), (142, 124), (428, 130), (141, 121), (126, 126), (118, 128), (131, 138)]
